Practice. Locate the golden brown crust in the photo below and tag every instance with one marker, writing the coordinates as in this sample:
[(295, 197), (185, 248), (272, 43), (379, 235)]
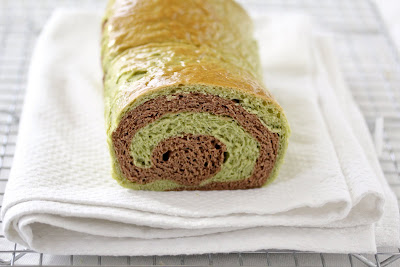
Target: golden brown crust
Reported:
[(219, 24)]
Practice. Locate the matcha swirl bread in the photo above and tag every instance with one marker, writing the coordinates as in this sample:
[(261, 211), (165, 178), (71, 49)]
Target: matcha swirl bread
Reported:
[(185, 106)]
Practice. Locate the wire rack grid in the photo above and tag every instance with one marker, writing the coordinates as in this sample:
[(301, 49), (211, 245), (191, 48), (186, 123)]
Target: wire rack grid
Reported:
[(369, 62)]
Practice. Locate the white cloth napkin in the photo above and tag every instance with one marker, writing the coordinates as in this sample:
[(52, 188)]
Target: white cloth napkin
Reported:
[(330, 196)]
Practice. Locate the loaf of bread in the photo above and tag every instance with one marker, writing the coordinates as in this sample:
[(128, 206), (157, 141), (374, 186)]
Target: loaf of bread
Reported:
[(185, 105)]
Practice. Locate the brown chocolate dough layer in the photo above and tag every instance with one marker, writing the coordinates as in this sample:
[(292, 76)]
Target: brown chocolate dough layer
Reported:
[(189, 159), (173, 158)]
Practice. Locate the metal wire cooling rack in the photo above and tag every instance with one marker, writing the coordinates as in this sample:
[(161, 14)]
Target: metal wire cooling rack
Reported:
[(368, 60)]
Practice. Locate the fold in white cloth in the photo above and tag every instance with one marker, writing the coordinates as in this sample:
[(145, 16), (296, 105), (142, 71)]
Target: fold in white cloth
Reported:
[(330, 195)]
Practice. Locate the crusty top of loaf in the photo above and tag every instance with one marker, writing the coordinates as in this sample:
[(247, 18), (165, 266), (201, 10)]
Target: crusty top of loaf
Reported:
[(221, 25)]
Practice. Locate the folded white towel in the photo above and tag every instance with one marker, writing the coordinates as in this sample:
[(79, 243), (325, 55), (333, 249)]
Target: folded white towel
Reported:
[(61, 199)]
